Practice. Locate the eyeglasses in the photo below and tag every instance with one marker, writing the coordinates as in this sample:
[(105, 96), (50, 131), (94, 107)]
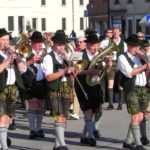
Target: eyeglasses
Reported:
[(109, 32), (140, 36), (80, 41)]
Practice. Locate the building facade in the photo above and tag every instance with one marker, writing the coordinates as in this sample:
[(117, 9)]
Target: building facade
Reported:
[(98, 15), (128, 13), (124, 13), (44, 15)]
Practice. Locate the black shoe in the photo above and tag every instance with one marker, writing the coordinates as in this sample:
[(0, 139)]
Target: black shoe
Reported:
[(119, 107), (32, 135), (57, 148), (64, 148), (140, 147), (144, 141), (12, 126), (40, 134), (97, 134), (130, 146), (8, 141), (109, 107), (88, 141)]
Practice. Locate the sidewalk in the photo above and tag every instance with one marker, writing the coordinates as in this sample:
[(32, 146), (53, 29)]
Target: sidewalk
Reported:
[(114, 125)]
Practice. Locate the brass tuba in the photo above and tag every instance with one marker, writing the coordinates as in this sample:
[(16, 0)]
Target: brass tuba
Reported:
[(100, 57), (23, 46)]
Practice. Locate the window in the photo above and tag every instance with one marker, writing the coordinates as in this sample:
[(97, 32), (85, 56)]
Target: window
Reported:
[(63, 23), (63, 2), (10, 23), (82, 23), (43, 2), (138, 27), (130, 27), (34, 23), (81, 2), (20, 23), (43, 21), (116, 2), (130, 1)]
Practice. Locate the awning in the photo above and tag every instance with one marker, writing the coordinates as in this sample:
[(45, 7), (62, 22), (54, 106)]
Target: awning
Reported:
[(144, 22)]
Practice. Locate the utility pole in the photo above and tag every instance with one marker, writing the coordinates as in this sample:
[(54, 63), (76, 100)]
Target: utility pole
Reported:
[(72, 14), (108, 13)]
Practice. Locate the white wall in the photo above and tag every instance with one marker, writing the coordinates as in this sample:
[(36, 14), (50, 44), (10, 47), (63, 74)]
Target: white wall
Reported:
[(53, 12)]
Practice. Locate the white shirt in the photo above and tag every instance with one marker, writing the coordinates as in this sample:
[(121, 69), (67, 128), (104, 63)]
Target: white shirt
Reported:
[(126, 68), (11, 77), (90, 56), (117, 43), (125, 45), (40, 74), (48, 64), (104, 43)]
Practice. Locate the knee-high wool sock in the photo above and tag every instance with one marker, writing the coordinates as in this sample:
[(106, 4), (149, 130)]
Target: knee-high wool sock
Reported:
[(110, 96), (89, 126), (97, 119), (3, 138), (136, 133), (31, 118), (129, 137), (59, 133), (39, 118), (143, 128)]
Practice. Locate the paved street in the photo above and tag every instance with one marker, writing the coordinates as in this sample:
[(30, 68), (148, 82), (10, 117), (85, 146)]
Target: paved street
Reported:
[(113, 129)]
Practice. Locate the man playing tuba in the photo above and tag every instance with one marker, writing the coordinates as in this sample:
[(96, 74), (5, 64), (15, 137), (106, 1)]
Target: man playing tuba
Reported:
[(92, 108)]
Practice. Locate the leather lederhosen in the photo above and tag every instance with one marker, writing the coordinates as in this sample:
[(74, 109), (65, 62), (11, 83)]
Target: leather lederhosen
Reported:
[(95, 93)]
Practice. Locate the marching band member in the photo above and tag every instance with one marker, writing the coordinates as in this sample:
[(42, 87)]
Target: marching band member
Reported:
[(10, 69), (145, 52), (92, 108), (59, 86), (113, 73), (35, 92), (133, 80)]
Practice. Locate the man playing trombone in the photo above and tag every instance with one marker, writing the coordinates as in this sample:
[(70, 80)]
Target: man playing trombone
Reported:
[(10, 68), (59, 86)]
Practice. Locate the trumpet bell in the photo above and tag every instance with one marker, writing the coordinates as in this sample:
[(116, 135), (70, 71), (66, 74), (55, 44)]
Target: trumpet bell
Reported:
[(81, 65)]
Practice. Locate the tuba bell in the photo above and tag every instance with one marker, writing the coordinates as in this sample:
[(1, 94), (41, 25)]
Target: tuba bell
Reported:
[(100, 57), (23, 46)]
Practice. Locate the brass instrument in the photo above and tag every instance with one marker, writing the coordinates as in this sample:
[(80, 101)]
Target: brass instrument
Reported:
[(94, 80), (146, 58), (24, 50), (79, 66), (23, 46)]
